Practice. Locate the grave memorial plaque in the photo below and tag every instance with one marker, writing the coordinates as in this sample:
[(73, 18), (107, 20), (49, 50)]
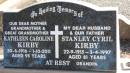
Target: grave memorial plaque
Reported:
[(61, 36)]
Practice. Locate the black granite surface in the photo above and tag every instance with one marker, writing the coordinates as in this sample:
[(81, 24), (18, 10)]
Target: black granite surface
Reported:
[(90, 18)]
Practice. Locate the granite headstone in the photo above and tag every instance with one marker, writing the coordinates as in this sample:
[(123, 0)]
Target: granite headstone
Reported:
[(60, 36)]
